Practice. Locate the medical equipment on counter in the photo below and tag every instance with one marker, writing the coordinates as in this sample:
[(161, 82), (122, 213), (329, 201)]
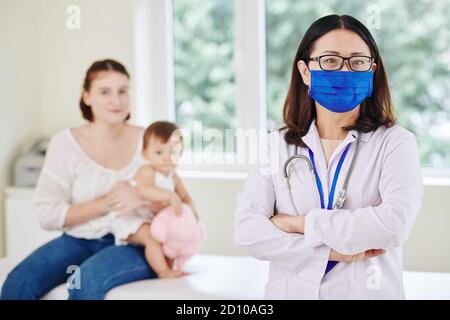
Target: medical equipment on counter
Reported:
[(29, 164)]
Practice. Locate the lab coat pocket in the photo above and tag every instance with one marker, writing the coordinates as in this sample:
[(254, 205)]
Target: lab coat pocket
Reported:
[(369, 283), (357, 291), (360, 291), (275, 290)]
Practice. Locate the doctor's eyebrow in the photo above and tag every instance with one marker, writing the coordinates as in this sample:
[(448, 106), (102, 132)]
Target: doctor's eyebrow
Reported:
[(338, 53)]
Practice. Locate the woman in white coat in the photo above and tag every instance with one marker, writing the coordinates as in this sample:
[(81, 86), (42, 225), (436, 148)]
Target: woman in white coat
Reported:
[(337, 115)]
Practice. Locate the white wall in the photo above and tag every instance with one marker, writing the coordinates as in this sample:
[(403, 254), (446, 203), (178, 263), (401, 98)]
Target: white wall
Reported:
[(428, 247), (215, 202), (18, 89), (64, 55)]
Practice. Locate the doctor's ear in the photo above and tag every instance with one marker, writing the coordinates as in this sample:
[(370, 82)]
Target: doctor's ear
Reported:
[(304, 72)]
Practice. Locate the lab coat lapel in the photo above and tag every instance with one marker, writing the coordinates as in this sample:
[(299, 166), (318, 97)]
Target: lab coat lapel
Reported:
[(350, 138), (312, 140)]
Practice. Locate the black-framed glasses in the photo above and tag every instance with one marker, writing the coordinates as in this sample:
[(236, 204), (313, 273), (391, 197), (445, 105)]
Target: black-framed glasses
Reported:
[(332, 62)]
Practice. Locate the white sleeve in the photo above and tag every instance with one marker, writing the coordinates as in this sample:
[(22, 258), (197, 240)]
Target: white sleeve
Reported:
[(53, 190), (376, 227), (262, 239)]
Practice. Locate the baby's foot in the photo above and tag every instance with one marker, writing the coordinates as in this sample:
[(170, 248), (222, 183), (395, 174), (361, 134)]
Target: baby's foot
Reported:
[(170, 273)]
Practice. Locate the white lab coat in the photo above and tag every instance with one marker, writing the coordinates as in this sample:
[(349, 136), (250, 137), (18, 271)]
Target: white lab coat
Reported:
[(383, 199)]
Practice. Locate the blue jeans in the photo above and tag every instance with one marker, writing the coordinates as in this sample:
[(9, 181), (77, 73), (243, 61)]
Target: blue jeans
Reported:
[(100, 267)]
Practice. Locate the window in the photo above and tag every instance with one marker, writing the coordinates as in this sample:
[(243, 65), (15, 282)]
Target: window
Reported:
[(204, 77), (413, 38)]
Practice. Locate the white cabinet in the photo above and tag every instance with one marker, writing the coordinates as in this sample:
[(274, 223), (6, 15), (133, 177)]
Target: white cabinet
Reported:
[(23, 232)]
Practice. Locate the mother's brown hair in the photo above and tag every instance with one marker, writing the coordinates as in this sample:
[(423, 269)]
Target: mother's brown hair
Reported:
[(91, 73), (299, 110)]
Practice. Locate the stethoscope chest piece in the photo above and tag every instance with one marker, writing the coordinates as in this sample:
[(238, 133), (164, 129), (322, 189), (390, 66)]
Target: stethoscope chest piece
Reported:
[(341, 197)]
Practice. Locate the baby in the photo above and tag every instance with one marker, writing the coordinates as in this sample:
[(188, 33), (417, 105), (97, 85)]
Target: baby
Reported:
[(157, 182)]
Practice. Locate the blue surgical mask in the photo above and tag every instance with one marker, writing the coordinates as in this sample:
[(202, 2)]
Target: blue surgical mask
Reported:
[(340, 91)]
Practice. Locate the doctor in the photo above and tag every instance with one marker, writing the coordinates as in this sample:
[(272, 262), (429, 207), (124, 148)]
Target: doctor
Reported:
[(332, 219)]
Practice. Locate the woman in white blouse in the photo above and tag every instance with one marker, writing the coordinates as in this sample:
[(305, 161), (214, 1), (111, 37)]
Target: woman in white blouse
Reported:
[(78, 186)]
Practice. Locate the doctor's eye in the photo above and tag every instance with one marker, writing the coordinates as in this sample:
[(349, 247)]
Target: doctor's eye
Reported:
[(330, 62), (360, 63)]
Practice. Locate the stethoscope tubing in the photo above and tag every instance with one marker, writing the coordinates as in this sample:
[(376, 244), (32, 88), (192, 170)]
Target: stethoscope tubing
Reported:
[(342, 193)]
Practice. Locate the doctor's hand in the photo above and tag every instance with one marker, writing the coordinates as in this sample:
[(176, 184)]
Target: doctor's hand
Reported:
[(336, 256), (288, 223)]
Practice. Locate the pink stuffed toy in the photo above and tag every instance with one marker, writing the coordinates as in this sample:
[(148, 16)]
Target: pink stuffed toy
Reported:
[(180, 236)]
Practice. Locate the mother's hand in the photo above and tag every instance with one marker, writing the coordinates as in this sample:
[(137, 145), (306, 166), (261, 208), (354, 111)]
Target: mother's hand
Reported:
[(124, 198), (288, 223)]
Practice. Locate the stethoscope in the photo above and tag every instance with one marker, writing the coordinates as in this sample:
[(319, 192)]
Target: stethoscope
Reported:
[(287, 168)]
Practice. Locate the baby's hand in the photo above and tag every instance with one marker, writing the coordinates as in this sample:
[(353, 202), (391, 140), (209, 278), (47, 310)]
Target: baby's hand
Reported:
[(175, 203), (170, 273)]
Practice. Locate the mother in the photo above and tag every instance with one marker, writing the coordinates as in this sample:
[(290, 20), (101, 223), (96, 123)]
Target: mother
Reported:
[(78, 186)]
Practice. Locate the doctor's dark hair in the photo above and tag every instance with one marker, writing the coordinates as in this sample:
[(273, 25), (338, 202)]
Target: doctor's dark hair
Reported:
[(91, 74), (299, 110)]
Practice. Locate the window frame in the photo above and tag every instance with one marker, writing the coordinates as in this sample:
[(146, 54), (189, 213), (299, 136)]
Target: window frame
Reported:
[(155, 81)]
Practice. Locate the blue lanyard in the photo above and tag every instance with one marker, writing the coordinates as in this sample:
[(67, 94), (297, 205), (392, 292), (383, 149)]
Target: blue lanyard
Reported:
[(335, 178), (330, 264)]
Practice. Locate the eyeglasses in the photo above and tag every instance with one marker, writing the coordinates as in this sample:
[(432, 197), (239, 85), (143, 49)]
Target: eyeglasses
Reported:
[(331, 62)]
